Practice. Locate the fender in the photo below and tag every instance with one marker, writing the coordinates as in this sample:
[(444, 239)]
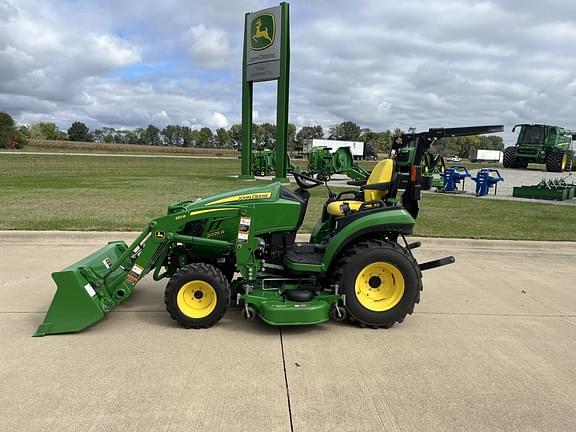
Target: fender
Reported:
[(396, 220)]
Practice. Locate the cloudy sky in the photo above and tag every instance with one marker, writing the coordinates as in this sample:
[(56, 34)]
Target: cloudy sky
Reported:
[(380, 63)]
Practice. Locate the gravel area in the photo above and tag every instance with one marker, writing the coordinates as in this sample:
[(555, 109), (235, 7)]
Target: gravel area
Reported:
[(512, 178)]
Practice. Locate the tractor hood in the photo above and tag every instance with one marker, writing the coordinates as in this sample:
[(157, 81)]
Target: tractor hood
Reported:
[(269, 192)]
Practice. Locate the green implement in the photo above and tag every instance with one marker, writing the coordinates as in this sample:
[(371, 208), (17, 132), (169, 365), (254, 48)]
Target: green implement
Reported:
[(323, 163)]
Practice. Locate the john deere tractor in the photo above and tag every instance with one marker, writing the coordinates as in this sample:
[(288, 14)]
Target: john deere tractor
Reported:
[(239, 248), (536, 143)]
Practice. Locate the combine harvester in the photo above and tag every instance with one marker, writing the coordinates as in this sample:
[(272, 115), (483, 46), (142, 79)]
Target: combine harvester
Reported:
[(544, 144), (358, 262)]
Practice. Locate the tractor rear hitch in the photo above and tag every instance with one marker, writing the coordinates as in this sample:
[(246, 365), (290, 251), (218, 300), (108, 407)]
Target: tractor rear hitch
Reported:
[(436, 263)]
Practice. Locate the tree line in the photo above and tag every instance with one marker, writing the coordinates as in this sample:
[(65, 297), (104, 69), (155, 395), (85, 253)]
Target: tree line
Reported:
[(263, 136)]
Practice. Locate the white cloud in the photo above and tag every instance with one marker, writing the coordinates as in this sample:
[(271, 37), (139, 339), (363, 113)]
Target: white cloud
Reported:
[(112, 50), (382, 64), (209, 46), (219, 120)]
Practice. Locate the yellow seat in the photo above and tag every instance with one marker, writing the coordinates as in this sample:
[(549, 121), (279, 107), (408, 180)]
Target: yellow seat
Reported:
[(382, 173)]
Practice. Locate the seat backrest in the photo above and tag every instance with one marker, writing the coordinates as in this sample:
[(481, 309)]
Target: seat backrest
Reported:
[(382, 173)]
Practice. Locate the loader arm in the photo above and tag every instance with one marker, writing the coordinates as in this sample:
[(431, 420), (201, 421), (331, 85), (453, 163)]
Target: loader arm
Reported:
[(92, 287)]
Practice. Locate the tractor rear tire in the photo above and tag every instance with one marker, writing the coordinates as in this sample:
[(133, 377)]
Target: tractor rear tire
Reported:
[(556, 161), (197, 296), (381, 281), (510, 160)]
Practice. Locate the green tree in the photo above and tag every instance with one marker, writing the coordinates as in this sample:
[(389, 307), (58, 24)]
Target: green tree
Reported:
[(205, 138), (258, 134), (108, 134), (222, 138), (378, 141), (24, 130), (491, 142), (348, 131), (98, 136), (10, 136), (309, 132), (186, 136), (172, 135), (140, 138), (268, 134), (131, 137), (151, 136), (46, 131), (235, 134), (291, 133), (79, 132)]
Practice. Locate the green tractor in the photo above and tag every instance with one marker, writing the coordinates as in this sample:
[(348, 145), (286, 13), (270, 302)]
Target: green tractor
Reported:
[(550, 145), (240, 248)]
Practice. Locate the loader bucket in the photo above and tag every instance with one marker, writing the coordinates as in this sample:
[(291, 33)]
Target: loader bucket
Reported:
[(78, 302)]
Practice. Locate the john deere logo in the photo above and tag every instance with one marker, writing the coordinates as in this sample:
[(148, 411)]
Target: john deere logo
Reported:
[(262, 32)]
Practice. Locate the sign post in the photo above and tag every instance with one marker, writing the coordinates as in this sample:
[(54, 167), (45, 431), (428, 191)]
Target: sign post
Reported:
[(266, 57)]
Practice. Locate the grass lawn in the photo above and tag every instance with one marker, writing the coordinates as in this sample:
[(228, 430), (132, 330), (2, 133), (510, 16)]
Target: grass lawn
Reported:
[(56, 192)]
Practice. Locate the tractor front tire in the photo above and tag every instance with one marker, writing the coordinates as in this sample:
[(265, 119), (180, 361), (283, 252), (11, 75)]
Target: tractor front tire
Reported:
[(556, 161), (381, 281), (197, 296), (510, 160)]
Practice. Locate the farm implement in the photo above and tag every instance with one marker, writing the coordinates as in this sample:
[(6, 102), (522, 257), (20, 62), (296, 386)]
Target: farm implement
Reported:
[(264, 163), (240, 248), (547, 189), (323, 164)]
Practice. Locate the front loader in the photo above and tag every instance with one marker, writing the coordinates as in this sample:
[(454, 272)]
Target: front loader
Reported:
[(240, 248)]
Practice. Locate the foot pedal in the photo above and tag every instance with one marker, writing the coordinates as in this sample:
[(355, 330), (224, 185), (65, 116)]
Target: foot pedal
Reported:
[(414, 245)]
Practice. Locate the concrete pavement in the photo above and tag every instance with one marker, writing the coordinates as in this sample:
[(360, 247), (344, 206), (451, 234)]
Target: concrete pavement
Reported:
[(490, 347)]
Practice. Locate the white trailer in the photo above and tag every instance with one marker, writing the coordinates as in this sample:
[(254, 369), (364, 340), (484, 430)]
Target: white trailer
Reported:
[(356, 147), (486, 155)]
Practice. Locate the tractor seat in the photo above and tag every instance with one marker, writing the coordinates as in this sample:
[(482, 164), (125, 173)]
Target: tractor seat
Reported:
[(376, 189)]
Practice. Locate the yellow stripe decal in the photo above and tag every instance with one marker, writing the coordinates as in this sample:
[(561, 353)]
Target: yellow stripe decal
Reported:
[(194, 213), (246, 197)]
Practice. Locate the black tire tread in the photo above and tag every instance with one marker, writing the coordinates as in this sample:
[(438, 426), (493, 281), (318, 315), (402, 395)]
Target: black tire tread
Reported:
[(363, 246), (208, 269), (554, 161), (510, 160)]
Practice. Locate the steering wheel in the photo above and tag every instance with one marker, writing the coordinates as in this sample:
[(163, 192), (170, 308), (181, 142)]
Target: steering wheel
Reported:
[(306, 182)]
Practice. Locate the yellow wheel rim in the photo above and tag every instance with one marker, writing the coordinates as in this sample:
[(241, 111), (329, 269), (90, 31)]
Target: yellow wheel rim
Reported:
[(196, 299), (379, 286), (564, 161)]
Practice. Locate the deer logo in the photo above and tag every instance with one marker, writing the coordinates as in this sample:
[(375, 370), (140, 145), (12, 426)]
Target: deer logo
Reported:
[(262, 32)]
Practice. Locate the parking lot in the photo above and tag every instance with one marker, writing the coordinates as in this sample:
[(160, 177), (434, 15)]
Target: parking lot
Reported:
[(491, 347)]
